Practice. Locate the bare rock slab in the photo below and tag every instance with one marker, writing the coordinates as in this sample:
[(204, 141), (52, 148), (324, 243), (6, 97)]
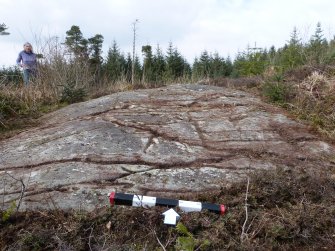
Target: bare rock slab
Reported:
[(167, 142)]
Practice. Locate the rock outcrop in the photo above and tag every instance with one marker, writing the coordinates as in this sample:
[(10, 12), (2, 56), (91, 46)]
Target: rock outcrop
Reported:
[(163, 142)]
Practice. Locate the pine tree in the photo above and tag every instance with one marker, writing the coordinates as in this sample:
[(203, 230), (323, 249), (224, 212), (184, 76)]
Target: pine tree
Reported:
[(205, 61), (187, 70), (217, 66), (137, 70), (115, 65), (176, 65), (159, 65), (201, 66), (196, 70), (147, 64), (317, 47), (229, 66), (169, 59), (250, 63), (294, 40), (95, 50), (3, 29), (128, 68), (76, 43), (292, 54), (272, 55), (330, 59)]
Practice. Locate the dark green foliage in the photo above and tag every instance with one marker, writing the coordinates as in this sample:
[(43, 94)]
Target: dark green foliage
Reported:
[(148, 67), (315, 53), (3, 29), (204, 62), (253, 62), (317, 47), (292, 55), (85, 49), (159, 68), (11, 106), (76, 43), (72, 94), (277, 92), (176, 66), (35, 242), (95, 45), (116, 66), (211, 66), (138, 70), (128, 68), (10, 75), (158, 65)]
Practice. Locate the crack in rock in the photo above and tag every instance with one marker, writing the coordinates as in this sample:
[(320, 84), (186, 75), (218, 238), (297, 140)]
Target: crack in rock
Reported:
[(167, 141)]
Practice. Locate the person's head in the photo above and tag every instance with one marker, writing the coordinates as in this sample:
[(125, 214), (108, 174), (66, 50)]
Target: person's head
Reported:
[(27, 47)]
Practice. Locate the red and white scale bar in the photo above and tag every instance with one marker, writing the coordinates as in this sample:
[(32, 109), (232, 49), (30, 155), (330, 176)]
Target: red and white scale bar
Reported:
[(148, 201)]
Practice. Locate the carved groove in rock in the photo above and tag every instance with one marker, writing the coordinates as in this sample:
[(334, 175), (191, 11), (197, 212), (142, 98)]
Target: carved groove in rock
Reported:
[(170, 141)]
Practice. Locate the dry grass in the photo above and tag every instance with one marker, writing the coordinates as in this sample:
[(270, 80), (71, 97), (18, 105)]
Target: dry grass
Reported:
[(317, 85), (285, 209), (307, 93)]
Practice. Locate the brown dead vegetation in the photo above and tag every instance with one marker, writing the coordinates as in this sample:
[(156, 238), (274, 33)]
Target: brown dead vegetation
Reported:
[(287, 210)]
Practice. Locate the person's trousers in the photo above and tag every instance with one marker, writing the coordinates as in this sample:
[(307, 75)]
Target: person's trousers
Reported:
[(27, 75)]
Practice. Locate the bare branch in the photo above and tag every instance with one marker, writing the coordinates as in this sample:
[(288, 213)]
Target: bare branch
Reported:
[(159, 240), (244, 235), (89, 239), (23, 189)]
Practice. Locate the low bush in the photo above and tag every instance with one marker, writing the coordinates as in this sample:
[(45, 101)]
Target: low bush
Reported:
[(10, 75), (72, 94), (278, 92)]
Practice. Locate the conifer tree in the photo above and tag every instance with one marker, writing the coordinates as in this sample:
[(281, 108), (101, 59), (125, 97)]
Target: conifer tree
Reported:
[(250, 63), (137, 70), (95, 50), (196, 70), (218, 66), (317, 47), (128, 68), (205, 63), (229, 66), (272, 56), (176, 65), (115, 65), (159, 65), (147, 64), (292, 53), (76, 43), (330, 58), (3, 29)]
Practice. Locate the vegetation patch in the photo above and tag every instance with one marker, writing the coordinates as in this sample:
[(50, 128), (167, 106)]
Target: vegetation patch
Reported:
[(278, 92), (285, 210)]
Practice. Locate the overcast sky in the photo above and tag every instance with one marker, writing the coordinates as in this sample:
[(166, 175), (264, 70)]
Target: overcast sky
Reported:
[(223, 26)]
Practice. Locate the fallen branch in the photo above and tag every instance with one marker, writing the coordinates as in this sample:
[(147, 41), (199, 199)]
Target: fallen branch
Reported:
[(244, 235), (23, 189), (3, 125), (160, 243)]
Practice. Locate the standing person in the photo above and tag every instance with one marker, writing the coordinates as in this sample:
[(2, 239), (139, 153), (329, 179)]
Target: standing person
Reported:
[(27, 60)]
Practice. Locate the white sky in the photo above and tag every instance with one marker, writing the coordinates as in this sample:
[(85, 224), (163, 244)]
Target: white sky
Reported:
[(223, 26)]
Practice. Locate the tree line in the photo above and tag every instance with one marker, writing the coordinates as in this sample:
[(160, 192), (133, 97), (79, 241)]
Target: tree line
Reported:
[(316, 52), (156, 67), (170, 66)]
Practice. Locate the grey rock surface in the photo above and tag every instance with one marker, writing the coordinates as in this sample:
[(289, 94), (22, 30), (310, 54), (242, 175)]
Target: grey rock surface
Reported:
[(164, 142)]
